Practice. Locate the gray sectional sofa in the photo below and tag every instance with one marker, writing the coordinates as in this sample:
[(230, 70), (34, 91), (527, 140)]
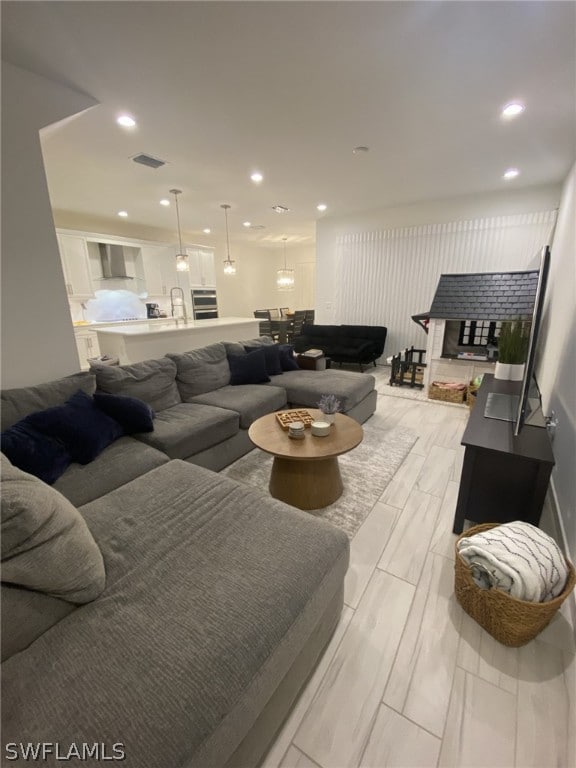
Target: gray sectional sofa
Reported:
[(151, 605)]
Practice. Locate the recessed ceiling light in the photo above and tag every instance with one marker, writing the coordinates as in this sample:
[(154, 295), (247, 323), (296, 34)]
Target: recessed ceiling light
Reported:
[(123, 214), (126, 121), (207, 231), (322, 206), (360, 150), (511, 173), (280, 208), (247, 224), (256, 177), (164, 202), (513, 109)]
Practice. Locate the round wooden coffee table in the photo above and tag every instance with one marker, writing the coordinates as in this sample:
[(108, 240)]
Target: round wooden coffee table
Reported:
[(305, 473)]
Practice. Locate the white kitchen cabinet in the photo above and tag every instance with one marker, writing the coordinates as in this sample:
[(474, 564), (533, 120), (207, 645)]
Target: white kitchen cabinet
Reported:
[(76, 266), (87, 345), (202, 271), (159, 267)]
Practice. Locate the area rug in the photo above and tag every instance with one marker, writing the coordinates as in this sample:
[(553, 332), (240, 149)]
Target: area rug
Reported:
[(366, 471), (405, 392)]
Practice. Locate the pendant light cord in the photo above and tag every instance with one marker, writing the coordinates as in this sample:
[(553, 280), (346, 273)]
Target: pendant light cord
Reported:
[(227, 235), (176, 192)]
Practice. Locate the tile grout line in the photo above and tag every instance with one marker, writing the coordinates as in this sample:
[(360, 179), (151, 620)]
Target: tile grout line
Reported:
[(410, 720)]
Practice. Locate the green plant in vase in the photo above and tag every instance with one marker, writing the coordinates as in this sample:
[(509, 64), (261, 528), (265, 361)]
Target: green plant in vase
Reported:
[(512, 350)]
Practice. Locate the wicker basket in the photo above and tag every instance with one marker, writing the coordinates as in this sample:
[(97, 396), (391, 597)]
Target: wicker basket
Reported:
[(447, 395), (471, 392), (512, 622)]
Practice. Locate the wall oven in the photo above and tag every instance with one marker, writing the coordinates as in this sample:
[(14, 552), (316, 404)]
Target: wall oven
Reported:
[(204, 304)]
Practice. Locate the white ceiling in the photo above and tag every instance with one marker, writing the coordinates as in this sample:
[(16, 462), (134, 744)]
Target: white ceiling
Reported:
[(220, 89)]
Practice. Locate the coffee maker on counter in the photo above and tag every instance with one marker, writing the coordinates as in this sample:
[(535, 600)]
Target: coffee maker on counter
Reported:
[(152, 310)]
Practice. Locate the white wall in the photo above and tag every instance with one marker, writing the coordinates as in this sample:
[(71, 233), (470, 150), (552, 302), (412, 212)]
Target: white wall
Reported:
[(557, 363), (435, 212), (37, 337)]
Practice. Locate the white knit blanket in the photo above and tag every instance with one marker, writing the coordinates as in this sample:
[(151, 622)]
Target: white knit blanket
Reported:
[(517, 558)]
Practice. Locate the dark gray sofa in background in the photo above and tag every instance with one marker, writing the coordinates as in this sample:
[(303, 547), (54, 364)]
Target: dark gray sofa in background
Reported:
[(218, 600)]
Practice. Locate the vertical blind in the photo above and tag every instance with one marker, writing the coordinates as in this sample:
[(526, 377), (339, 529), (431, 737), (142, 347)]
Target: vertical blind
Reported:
[(384, 277)]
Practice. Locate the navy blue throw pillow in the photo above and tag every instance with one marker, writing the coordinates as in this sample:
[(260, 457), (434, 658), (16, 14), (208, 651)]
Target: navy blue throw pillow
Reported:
[(287, 360), (31, 451), (249, 368), (271, 358), (83, 428), (133, 414)]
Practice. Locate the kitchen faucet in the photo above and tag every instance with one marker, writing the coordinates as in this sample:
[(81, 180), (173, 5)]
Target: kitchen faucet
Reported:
[(177, 300)]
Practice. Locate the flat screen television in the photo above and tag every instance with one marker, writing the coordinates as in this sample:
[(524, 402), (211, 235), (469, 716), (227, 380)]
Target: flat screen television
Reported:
[(525, 408)]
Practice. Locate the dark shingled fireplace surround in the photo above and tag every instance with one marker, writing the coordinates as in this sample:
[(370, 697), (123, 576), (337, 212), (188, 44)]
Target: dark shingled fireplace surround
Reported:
[(466, 315)]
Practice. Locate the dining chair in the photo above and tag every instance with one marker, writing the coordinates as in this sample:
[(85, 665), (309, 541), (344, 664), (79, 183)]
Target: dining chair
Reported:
[(274, 313), (265, 325), (299, 320), (309, 318), (284, 311)]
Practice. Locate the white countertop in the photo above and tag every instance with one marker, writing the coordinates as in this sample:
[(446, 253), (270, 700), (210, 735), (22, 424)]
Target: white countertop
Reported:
[(168, 325)]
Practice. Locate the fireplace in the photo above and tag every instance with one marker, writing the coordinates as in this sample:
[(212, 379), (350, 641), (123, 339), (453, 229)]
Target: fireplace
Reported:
[(465, 320)]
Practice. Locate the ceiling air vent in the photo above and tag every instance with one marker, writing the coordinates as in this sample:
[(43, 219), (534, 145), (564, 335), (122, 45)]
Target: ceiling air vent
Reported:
[(151, 162), (280, 208), (256, 226)]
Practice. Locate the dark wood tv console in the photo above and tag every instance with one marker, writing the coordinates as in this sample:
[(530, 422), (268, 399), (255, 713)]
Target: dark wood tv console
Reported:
[(504, 478)]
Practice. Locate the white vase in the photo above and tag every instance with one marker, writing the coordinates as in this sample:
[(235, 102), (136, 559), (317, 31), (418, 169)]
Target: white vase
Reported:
[(516, 372), (509, 371), (502, 371), (328, 418)]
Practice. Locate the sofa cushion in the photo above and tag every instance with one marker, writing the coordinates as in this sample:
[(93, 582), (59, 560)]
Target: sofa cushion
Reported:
[(306, 387), (121, 462), (201, 370), (42, 456), (187, 429), (351, 349), (218, 588), (46, 545), (249, 368), (26, 615), (18, 403), (250, 401), (271, 357), (238, 347), (80, 425), (153, 381), (133, 414)]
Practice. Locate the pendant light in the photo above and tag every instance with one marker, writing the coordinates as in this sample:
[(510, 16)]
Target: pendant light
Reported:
[(182, 264), (229, 268), (285, 277)]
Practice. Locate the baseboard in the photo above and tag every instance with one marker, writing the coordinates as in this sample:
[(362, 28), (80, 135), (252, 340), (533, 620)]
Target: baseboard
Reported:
[(557, 517)]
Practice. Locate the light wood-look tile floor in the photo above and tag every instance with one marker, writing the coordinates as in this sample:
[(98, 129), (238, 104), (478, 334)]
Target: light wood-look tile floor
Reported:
[(408, 678)]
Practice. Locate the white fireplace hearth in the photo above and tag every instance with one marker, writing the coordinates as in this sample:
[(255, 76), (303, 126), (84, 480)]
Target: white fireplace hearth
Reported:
[(440, 368)]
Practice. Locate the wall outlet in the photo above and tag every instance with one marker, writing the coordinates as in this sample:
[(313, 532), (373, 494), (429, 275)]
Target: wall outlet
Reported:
[(552, 424)]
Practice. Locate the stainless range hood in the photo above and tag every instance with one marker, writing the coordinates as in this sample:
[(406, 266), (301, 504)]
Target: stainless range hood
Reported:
[(113, 261)]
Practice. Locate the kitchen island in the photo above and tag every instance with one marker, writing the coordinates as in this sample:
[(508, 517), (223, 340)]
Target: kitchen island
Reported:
[(144, 341)]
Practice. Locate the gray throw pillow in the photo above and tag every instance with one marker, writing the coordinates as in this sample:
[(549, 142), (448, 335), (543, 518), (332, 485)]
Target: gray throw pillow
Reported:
[(46, 544), (18, 403), (153, 381), (237, 347), (201, 370)]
